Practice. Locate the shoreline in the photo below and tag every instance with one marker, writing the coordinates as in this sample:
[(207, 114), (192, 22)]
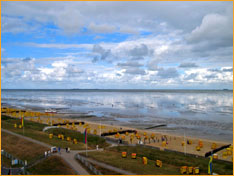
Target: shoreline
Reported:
[(139, 129), (173, 141), (92, 118), (160, 140)]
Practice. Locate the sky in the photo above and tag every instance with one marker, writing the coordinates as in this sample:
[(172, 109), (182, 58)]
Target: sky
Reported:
[(117, 45)]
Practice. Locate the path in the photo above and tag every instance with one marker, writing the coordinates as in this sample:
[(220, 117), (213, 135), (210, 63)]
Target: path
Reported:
[(49, 127), (68, 157), (27, 138)]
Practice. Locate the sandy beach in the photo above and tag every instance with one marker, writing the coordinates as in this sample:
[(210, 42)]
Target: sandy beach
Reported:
[(171, 141)]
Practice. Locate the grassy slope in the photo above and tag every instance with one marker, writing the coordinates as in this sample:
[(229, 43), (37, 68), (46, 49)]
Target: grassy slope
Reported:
[(104, 171), (34, 130), (21, 148), (6, 162), (171, 161), (53, 165)]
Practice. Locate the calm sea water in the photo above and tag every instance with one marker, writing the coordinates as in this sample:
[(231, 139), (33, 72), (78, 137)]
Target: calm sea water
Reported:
[(200, 113)]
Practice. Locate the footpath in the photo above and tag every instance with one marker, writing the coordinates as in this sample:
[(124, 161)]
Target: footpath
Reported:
[(68, 157)]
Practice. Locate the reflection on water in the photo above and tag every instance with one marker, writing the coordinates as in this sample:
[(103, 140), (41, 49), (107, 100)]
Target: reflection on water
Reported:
[(129, 107)]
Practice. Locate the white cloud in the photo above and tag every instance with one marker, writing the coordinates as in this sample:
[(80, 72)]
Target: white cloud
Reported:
[(70, 20), (14, 25), (129, 17), (59, 46), (130, 64), (134, 71), (188, 65), (213, 27), (203, 75), (167, 73), (128, 30), (178, 49), (101, 28)]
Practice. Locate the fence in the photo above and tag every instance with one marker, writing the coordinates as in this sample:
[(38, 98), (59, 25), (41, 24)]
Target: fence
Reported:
[(12, 171), (37, 160), (88, 165), (9, 156), (115, 141), (22, 170)]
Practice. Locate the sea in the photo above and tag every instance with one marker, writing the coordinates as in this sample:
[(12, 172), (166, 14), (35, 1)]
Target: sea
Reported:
[(198, 113)]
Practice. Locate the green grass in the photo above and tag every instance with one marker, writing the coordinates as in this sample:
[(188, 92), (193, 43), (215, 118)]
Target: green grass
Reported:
[(28, 124), (53, 165), (34, 131), (172, 161), (92, 140), (177, 159)]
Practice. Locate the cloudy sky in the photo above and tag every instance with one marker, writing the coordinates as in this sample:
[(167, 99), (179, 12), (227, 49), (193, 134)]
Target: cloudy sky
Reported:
[(148, 45)]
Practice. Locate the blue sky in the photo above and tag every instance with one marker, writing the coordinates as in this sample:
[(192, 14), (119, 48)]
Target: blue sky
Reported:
[(149, 45)]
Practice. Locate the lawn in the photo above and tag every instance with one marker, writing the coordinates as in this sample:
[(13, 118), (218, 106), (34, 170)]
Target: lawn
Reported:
[(53, 165), (172, 161), (21, 148), (34, 131)]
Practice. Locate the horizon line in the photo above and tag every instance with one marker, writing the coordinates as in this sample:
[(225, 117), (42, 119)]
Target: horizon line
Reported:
[(107, 89)]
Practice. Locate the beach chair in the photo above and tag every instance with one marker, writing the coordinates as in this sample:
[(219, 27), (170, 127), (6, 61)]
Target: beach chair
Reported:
[(124, 154), (158, 163), (133, 155), (144, 160)]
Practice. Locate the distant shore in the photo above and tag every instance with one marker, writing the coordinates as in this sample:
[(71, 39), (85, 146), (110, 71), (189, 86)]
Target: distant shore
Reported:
[(125, 90)]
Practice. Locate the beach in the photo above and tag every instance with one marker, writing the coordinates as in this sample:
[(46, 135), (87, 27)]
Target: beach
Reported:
[(183, 115), (173, 142), (197, 113)]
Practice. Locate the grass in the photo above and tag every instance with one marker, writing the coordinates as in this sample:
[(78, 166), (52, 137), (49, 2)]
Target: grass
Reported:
[(92, 139), (104, 171), (26, 150), (34, 131), (28, 124), (21, 148), (6, 162), (53, 165), (132, 165), (172, 161)]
